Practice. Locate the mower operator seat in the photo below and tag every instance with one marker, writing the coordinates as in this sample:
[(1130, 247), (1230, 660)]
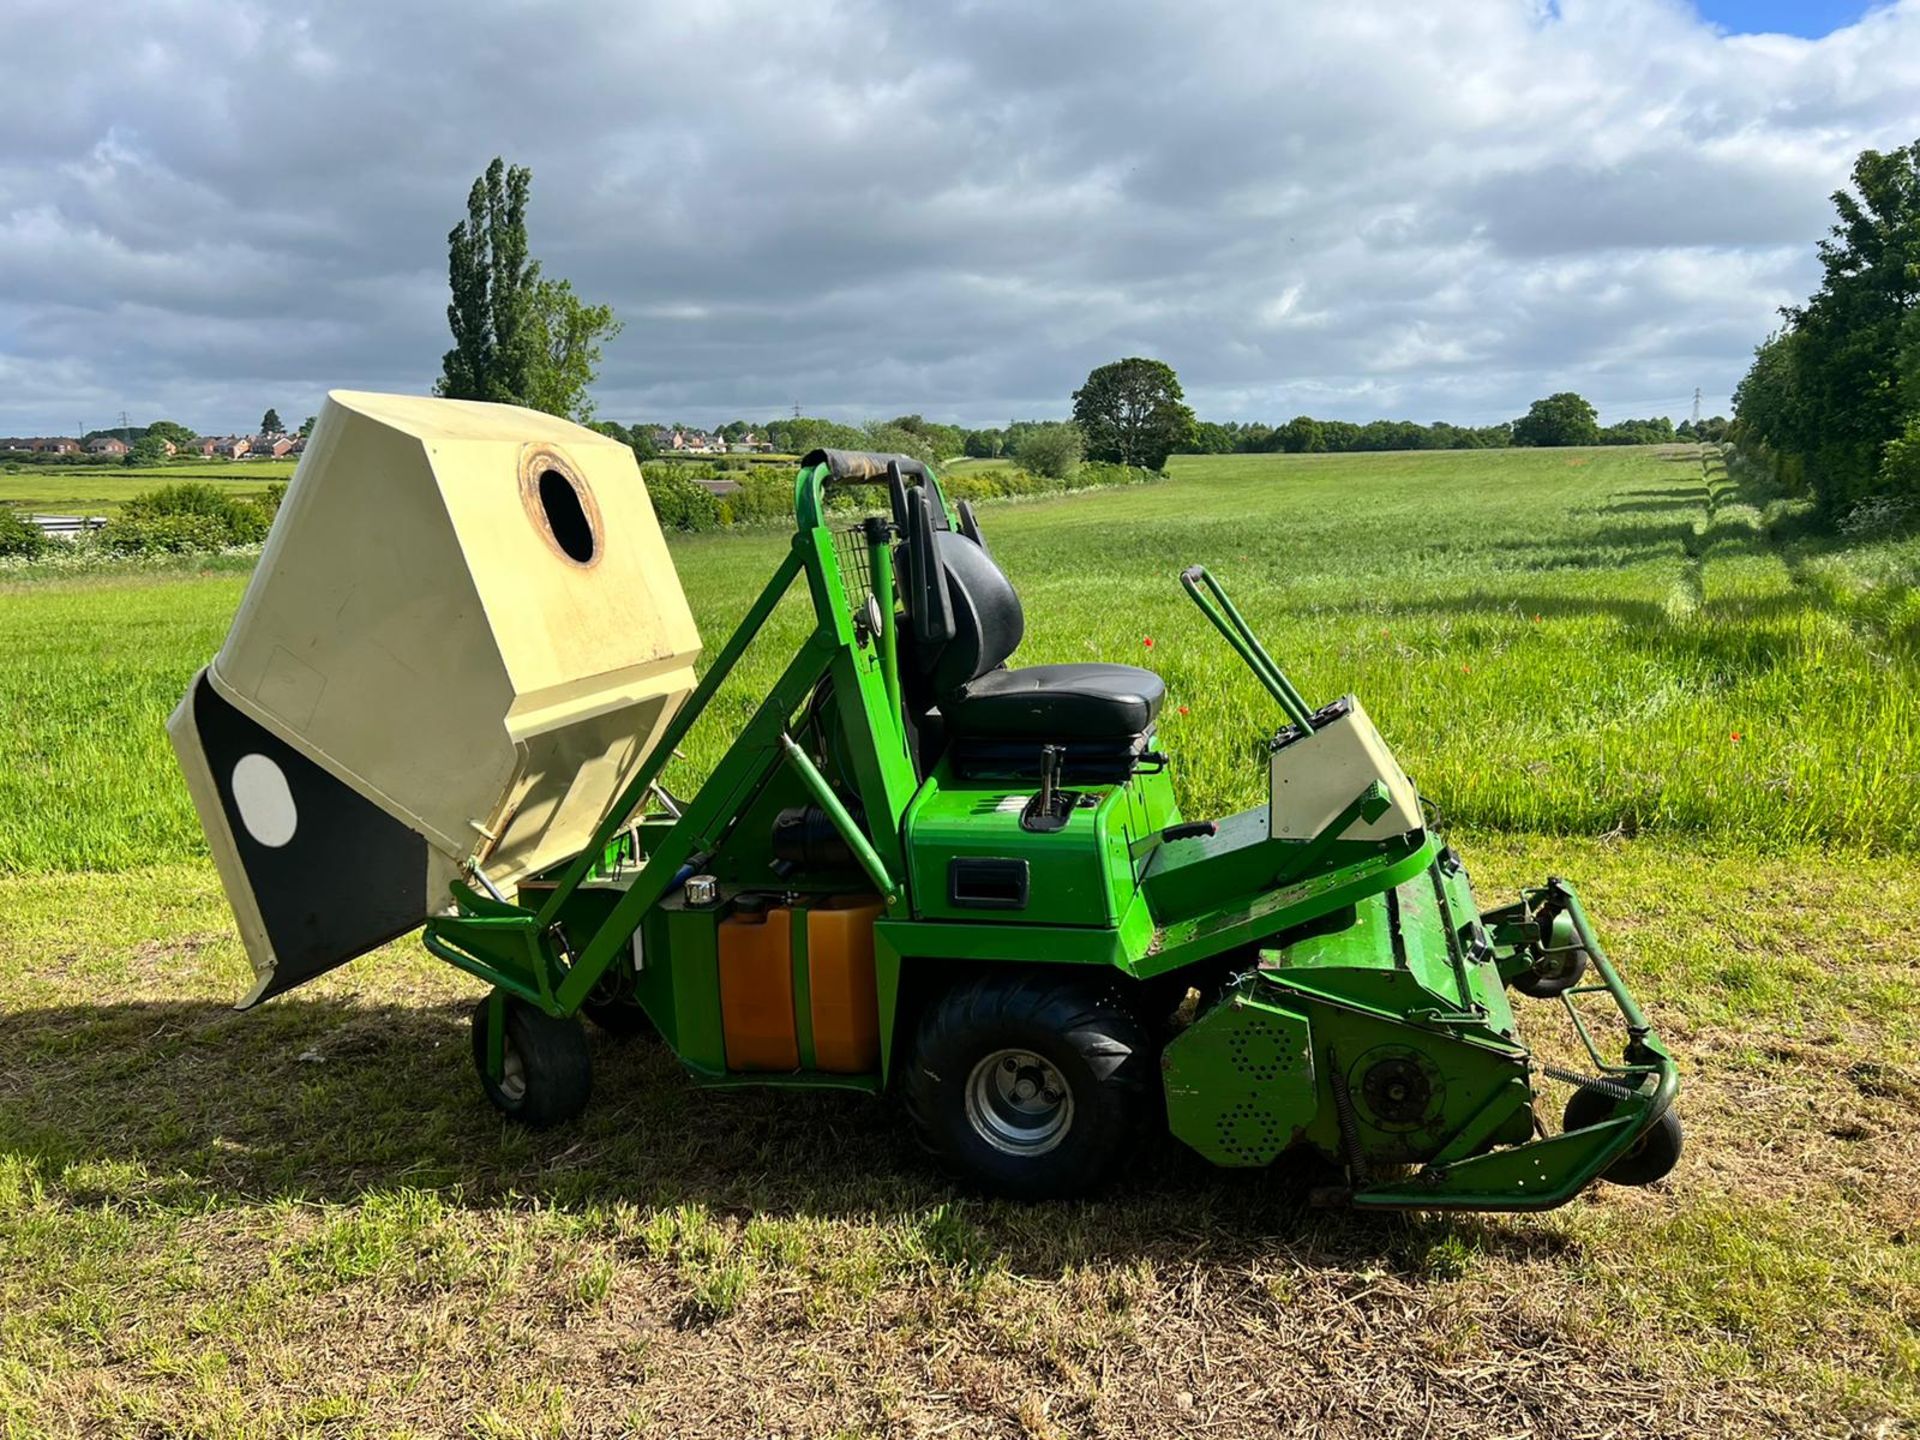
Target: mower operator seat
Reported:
[(988, 708)]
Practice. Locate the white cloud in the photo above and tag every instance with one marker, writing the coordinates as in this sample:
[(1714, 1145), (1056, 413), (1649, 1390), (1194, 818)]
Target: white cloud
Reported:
[(1436, 211)]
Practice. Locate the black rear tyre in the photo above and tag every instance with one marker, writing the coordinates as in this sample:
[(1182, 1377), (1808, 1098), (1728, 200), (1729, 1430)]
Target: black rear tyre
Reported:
[(1030, 1086), (1650, 1158), (548, 1074)]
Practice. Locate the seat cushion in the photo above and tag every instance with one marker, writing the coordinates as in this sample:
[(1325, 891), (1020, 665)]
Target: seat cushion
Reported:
[(1056, 703)]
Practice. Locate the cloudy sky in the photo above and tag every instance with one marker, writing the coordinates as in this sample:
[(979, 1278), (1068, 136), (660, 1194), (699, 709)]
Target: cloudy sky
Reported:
[(1371, 207)]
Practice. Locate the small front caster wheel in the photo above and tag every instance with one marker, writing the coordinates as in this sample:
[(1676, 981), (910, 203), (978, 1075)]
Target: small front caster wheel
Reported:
[(545, 1073), (1649, 1158), (1554, 975)]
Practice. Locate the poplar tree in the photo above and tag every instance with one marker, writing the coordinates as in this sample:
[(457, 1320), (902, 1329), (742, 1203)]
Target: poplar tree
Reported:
[(518, 339)]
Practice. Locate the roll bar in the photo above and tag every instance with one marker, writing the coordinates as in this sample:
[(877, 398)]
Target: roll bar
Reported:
[(854, 467), (899, 473)]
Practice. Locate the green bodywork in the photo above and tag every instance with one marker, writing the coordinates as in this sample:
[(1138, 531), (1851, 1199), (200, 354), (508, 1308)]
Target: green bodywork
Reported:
[(1346, 995)]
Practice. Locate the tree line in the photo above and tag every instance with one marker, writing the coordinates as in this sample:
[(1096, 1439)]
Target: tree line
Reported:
[(1305, 435), (1053, 447), (1831, 404)]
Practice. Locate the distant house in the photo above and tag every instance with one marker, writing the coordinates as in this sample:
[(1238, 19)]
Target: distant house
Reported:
[(231, 447), (55, 445), (299, 445), (688, 442), (106, 445), (263, 447)]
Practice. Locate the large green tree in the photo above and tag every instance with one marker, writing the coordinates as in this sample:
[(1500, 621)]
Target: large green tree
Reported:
[(567, 336), (518, 339), (1562, 419), (270, 422), (172, 430), (1768, 399), (1302, 435), (1132, 412), (1845, 350), (804, 433)]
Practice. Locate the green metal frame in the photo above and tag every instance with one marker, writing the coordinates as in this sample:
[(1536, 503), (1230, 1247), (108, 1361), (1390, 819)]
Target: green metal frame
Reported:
[(1118, 893)]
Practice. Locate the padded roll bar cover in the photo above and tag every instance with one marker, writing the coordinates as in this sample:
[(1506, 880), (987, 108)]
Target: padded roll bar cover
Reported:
[(862, 465)]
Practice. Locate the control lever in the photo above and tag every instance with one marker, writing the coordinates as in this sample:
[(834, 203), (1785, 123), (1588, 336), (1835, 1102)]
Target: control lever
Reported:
[(1050, 806)]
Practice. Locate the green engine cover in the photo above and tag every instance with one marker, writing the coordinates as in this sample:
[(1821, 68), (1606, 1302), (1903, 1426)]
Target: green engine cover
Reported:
[(1240, 1081)]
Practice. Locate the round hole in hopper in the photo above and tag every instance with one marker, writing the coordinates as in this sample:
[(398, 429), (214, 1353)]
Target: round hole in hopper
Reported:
[(567, 519)]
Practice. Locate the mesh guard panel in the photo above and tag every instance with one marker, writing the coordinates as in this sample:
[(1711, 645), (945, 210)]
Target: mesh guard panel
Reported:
[(1240, 1081)]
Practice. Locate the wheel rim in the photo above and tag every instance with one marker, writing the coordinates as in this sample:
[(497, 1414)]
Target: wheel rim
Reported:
[(513, 1076), (1019, 1103)]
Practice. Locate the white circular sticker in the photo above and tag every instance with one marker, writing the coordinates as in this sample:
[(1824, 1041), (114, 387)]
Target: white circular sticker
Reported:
[(265, 803)]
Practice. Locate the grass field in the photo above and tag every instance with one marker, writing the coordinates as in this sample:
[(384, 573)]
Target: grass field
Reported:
[(86, 490), (966, 465), (1608, 663)]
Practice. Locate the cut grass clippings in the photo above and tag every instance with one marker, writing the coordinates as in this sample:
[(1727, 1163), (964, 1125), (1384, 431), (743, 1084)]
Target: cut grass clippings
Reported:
[(305, 1220)]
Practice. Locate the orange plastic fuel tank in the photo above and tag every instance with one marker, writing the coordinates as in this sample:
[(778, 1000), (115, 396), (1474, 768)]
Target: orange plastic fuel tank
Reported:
[(756, 991), (845, 1007)]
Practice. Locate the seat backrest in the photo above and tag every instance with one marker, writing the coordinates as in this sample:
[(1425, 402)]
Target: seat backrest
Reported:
[(987, 619)]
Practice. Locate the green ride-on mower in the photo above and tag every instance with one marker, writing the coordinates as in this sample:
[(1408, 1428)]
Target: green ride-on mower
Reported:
[(465, 661)]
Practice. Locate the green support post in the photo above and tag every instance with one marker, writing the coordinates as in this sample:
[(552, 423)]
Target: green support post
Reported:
[(880, 555), (843, 823), (496, 1035), (703, 822)]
